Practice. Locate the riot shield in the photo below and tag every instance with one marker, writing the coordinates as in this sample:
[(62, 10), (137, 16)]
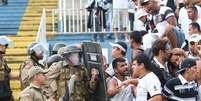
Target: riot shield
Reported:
[(92, 54)]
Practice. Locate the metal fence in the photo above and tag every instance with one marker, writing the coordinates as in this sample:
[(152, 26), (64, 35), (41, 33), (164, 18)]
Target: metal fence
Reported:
[(74, 18)]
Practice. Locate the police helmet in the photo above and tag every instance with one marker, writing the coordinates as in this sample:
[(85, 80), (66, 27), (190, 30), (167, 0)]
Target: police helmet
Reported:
[(57, 46), (35, 48), (73, 55), (72, 49), (54, 58), (60, 51)]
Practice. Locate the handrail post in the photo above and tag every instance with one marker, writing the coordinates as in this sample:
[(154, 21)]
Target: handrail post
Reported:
[(60, 23), (64, 15)]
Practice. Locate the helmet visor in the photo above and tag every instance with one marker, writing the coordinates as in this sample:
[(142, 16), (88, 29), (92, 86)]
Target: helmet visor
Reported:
[(74, 58), (38, 49)]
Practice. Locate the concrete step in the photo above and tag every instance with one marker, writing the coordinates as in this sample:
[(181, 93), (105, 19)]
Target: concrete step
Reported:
[(27, 33), (11, 8), (41, 7), (15, 84), (9, 18), (15, 66), (11, 11), (10, 26), (19, 53), (9, 22), (36, 18), (4, 31), (20, 38), (14, 59), (21, 44)]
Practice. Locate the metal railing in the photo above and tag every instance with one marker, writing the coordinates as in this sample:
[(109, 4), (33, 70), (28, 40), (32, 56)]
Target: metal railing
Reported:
[(75, 20)]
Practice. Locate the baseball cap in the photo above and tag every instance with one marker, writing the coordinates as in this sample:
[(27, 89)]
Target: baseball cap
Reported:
[(4, 40), (187, 63), (194, 38), (120, 45), (140, 13), (35, 70), (142, 2)]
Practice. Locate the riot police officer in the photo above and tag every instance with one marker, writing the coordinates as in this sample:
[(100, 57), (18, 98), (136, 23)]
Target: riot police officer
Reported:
[(5, 71), (72, 77), (57, 46), (35, 51)]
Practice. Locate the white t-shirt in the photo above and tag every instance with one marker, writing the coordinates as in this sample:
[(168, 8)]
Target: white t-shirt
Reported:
[(160, 21), (184, 21), (149, 84), (139, 25), (125, 94), (149, 39), (120, 4)]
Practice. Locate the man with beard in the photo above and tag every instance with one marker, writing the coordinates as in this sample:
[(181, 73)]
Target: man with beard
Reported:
[(115, 90), (35, 50), (161, 54)]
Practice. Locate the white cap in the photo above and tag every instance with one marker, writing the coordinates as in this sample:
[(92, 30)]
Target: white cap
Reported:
[(120, 45), (4, 40), (194, 38), (168, 15), (140, 13)]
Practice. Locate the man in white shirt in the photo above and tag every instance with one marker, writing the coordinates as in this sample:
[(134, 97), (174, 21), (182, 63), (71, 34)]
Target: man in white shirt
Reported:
[(183, 19), (157, 15), (149, 86), (193, 46), (194, 28), (141, 18), (193, 14)]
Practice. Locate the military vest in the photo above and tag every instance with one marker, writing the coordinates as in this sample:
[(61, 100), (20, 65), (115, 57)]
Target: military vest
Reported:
[(79, 91), (5, 90)]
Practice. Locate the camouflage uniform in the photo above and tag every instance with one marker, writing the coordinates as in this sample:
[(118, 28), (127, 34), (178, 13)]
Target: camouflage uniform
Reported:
[(32, 93), (70, 78), (24, 68), (60, 75), (5, 91)]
